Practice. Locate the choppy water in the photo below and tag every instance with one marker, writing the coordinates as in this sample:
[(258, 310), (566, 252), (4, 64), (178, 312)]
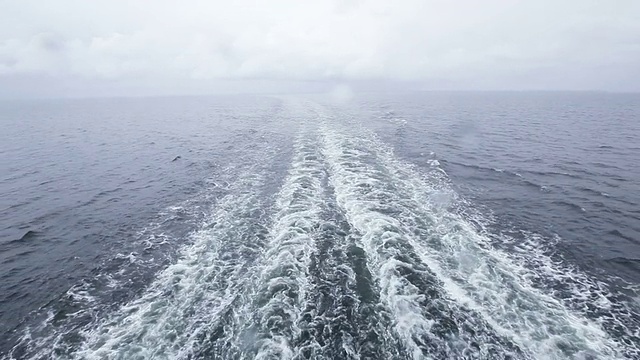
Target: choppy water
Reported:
[(409, 226)]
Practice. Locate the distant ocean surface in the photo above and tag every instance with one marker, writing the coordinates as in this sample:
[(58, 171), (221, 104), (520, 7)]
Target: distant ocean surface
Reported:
[(397, 226)]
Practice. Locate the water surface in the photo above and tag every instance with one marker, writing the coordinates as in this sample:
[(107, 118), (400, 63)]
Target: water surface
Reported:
[(408, 226)]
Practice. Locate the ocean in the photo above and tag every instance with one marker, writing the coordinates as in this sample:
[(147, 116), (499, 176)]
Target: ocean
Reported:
[(412, 225)]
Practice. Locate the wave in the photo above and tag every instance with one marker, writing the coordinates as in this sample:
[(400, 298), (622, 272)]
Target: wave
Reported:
[(166, 321), (474, 277), (303, 300), (126, 283), (273, 308), (425, 321)]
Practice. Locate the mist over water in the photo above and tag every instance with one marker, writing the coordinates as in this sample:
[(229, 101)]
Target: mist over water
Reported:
[(406, 226)]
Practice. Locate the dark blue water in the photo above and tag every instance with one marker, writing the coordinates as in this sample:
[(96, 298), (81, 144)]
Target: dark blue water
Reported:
[(414, 225)]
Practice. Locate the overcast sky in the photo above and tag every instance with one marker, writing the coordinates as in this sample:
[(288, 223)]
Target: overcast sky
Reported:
[(129, 47)]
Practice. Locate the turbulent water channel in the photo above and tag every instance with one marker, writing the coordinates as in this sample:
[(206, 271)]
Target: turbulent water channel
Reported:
[(331, 245)]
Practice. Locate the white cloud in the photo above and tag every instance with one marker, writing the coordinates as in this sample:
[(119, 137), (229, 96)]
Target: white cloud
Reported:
[(472, 44)]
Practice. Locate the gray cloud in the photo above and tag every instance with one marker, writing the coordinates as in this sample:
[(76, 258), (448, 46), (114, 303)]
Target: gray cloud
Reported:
[(197, 46)]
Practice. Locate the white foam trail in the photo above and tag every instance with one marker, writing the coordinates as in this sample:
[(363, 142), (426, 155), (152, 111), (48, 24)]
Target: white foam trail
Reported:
[(167, 320), (367, 177), (267, 320), (336, 323), (492, 283), (304, 281), (284, 278), (576, 290), (363, 193)]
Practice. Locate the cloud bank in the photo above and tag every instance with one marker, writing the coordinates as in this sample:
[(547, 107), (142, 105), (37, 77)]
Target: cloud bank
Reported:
[(116, 47)]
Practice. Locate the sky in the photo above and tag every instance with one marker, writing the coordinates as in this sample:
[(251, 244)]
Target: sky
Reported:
[(69, 48)]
